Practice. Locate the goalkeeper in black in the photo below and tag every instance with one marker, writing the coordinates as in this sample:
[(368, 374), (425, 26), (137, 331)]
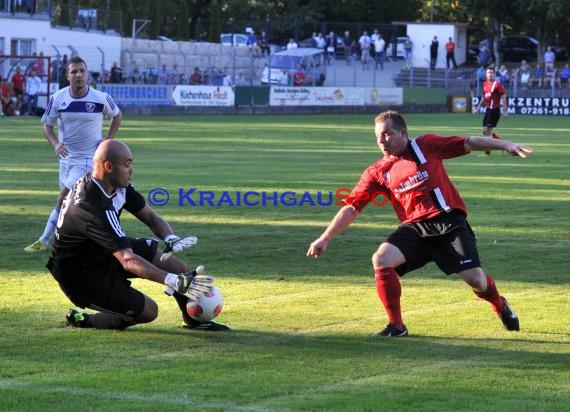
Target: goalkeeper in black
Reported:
[(93, 259)]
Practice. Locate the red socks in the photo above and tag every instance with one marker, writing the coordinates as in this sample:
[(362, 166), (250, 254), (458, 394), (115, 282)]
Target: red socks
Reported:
[(492, 296), (389, 292)]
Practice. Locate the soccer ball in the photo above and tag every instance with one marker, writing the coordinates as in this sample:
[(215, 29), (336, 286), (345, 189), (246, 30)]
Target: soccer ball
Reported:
[(207, 307)]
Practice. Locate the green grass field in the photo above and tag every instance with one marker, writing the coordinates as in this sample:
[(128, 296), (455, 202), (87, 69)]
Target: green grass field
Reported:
[(302, 327)]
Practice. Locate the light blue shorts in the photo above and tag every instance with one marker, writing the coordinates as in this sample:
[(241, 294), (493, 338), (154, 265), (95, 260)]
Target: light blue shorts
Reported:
[(71, 170)]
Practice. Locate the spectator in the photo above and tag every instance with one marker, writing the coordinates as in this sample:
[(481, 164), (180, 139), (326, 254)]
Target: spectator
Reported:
[(433, 50), (379, 47), (550, 77), (480, 74), (240, 79), (408, 48), (8, 106), (252, 44), (38, 65), (537, 76), (163, 74), (63, 82), (315, 39), (33, 89), (263, 44), (55, 69), (365, 41), (299, 76), (136, 75), (549, 59), (175, 75), (116, 74), (348, 43), (331, 44), (450, 53), (503, 75), (484, 57), (524, 72), (18, 84), (227, 79), (565, 76), (320, 41), (196, 77), (284, 78), (292, 44)]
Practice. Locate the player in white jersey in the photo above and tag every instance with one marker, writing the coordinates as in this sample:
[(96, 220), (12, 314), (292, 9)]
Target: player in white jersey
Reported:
[(78, 112)]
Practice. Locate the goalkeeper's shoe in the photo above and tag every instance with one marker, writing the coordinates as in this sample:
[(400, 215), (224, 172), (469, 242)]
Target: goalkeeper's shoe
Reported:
[(392, 331), (37, 246), (509, 317), (77, 319), (207, 326), (191, 323)]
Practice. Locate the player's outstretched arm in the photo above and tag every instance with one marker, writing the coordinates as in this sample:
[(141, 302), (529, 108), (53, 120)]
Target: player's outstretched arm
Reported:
[(483, 143), (340, 222)]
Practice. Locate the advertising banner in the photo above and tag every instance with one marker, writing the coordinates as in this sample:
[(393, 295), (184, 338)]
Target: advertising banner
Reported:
[(203, 96), (138, 94), (538, 106), (334, 96)]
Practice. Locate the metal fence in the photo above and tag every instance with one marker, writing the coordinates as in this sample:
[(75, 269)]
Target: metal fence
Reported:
[(87, 18)]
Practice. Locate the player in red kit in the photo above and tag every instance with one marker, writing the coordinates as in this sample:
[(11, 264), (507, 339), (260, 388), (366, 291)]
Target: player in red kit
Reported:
[(432, 214), (494, 96)]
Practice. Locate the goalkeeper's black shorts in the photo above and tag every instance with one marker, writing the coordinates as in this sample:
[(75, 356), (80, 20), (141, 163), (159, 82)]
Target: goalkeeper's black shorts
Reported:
[(112, 290)]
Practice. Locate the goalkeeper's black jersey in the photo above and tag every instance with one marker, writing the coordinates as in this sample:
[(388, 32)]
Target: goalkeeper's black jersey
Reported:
[(89, 230)]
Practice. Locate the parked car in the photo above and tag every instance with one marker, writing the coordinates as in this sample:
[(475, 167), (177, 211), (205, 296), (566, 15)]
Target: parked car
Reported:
[(310, 42), (399, 41), (517, 48), (304, 66), (233, 39)]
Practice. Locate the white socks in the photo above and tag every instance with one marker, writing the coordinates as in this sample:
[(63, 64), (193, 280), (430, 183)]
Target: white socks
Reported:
[(51, 224)]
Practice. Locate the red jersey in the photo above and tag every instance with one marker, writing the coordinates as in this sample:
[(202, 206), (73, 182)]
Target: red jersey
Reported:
[(492, 92), (416, 182), (450, 47), (18, 81), (5, 92)]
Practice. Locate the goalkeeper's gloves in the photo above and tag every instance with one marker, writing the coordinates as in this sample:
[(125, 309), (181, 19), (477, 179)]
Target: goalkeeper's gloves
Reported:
[(192, 284), (174, 244)]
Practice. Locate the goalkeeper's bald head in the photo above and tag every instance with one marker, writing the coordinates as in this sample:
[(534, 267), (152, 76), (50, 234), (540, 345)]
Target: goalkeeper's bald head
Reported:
[(109, 160)]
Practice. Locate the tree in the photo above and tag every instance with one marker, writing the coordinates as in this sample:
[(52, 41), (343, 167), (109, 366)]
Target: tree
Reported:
[(183, 27), (215, 22)]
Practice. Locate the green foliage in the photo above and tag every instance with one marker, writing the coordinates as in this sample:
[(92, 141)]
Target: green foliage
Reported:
[(301, 326), (544, 19), (183, 22), (215, 28)]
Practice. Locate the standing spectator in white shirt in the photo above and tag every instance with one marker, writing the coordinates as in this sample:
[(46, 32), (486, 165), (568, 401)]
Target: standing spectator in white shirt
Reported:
[(365, 41), (292, 44), (379, 46), (33, 89)]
